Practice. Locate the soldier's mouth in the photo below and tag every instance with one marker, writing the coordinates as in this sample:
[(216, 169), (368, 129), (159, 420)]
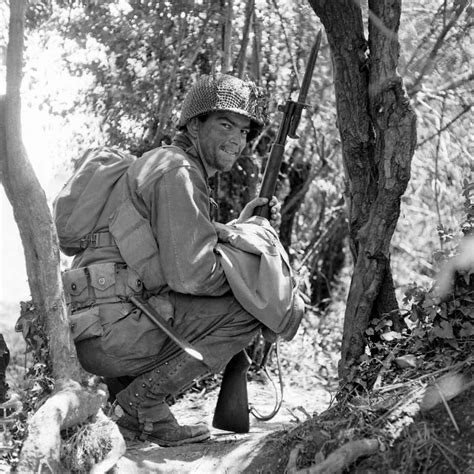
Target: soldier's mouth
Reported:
[(229, 151)]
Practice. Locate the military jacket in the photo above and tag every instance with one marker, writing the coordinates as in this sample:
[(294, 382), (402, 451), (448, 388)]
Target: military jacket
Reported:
[(159, 217)]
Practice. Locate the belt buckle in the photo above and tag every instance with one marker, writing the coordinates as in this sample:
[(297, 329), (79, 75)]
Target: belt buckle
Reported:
[(93, 239), (84, 243), (89, 240)]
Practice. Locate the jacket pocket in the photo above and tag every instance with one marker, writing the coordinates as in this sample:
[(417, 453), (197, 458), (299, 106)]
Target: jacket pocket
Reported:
[(86, 324)]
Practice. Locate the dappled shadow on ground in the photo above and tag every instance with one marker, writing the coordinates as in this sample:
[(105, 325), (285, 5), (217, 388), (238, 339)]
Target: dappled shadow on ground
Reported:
[(225, 452)]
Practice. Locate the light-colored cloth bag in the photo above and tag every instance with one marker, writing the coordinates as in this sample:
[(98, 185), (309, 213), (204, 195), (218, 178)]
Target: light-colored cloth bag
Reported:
[(259, 273)]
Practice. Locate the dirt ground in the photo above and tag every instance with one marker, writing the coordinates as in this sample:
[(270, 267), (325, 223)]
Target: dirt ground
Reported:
[(226, 452), (439, 440)]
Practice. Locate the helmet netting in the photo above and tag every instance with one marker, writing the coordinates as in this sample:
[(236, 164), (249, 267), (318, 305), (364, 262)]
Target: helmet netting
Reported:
[(221, 92)]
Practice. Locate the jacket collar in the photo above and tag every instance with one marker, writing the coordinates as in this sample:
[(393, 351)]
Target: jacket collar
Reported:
[(182, 141)]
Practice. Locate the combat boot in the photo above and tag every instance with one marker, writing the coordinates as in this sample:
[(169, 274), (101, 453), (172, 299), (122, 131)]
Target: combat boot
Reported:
[(142, 412), (165, 432)]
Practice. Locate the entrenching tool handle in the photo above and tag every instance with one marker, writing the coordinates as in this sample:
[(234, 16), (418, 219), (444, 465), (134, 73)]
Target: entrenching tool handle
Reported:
[(156, 318), (232, 408)]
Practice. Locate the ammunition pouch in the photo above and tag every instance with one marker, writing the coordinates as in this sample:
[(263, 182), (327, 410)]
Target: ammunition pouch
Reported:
[(100, 283)]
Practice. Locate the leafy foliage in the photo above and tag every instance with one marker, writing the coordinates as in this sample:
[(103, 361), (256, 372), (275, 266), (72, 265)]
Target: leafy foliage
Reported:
[(439, 320), (38, 381), (439, 332), (147, 53)]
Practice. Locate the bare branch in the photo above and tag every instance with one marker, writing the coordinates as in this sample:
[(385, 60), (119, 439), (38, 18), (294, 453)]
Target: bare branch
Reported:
[(436, 185), (424, 39), (287, 41), (445, 127), (458, 82), (438, 43)]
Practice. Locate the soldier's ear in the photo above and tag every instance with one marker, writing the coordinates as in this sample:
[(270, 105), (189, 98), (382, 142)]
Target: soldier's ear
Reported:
[(193, 127)]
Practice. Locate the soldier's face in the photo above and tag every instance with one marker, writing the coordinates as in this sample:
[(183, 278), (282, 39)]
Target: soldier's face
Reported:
[(222, 138)]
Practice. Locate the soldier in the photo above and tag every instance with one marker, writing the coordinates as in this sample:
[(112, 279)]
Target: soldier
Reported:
[(157, 221)]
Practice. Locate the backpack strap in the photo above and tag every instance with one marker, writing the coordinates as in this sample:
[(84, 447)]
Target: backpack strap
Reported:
[(97, 240)]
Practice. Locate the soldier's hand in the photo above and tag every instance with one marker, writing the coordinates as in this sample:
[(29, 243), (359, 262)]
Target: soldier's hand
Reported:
[(275, 210)]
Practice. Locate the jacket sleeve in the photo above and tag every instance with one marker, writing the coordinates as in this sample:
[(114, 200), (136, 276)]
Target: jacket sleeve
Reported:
[(179, 216)]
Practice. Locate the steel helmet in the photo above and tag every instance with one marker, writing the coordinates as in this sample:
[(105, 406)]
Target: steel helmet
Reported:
[(222, 92)]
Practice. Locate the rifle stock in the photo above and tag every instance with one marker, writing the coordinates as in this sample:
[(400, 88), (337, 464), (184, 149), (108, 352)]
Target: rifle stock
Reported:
[(232, 408)]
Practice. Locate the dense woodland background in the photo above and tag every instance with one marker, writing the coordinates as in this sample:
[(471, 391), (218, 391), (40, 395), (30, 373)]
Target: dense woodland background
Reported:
[(115, 73)]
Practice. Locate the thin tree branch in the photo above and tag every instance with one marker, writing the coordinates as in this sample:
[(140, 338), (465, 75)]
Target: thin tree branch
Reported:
[(458, 82), (436, 187), (438, 43), (287, 41), (445, 127), (422, 42)]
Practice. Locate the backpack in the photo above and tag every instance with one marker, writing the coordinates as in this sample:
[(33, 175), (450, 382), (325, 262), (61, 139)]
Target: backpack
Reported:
[(77, 208)]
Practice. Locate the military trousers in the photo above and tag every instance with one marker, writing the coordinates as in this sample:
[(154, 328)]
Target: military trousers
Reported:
[(131, 344)]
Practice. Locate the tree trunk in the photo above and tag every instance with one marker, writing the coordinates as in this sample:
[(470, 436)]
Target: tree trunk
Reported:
[(228, 7), (69, 402), (257, 50), (241, 61), (32, 214), (378, 134)]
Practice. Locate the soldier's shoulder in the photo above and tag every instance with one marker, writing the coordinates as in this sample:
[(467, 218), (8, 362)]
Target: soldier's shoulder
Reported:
[(167, 157), (157, 162)]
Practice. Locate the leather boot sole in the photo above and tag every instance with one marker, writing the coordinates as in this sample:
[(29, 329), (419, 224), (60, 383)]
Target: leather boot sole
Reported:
[(132, 435)]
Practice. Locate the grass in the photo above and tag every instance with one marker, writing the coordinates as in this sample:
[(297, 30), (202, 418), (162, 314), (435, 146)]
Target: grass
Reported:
[(86, 445)]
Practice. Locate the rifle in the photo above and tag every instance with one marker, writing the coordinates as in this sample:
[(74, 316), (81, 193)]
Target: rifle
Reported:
[(232, 410)]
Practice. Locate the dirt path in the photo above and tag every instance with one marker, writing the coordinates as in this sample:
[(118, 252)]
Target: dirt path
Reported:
[(224, 452)]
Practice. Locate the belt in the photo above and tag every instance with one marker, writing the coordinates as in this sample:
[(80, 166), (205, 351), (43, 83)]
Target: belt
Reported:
[(97, 240)]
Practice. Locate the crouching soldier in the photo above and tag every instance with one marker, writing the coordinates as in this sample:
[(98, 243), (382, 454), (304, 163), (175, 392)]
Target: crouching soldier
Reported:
[(154, 238)]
